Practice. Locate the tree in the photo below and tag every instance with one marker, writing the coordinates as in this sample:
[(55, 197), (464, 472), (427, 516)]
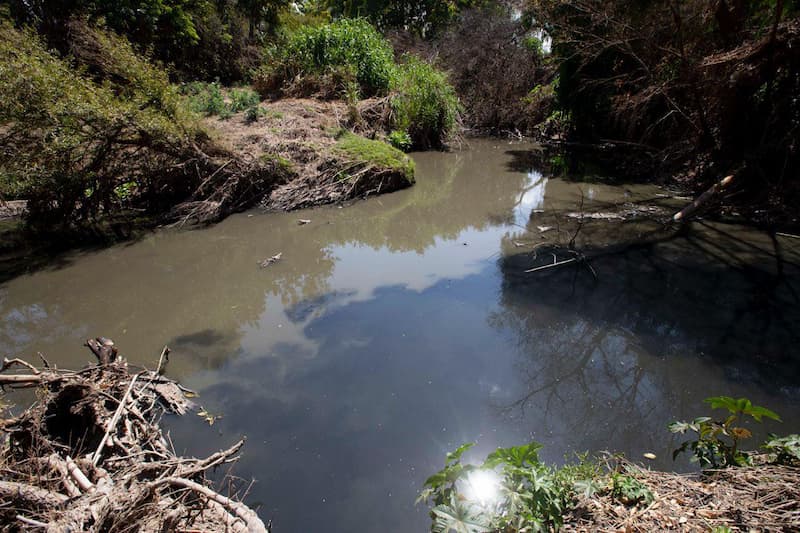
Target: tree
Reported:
[(258, 11)]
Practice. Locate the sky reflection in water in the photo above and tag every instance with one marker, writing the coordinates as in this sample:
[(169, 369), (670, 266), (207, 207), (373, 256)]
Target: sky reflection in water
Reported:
[(399, 328)]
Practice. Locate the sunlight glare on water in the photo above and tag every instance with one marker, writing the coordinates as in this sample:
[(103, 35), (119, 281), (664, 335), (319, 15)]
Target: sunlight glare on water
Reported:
[(483, 487)]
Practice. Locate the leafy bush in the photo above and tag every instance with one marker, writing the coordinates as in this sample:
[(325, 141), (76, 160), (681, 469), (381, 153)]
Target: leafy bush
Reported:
[(252, 114), (718, 441), (426, 106), (316, 50), (510, 491), (242, 99), (205, 98), (71, 142), (350, 59), (786, 450), (400, 140), (629, 491), (208, 99)]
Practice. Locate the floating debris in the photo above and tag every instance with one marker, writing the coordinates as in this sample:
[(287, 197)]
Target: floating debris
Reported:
[(274, 259)]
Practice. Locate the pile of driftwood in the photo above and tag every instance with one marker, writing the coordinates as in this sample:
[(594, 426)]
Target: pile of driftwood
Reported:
[(90, 455)]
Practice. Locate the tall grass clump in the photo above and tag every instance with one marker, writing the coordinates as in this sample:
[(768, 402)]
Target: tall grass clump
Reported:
[(425, 106), (77, 132), (348, 44)]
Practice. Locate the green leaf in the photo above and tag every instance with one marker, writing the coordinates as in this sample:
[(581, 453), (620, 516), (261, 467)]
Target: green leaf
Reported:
[(459, 517), (723, 402), (758, 412), (678, 427), (741, 406), (519, 456), (586, 487), (456, 454)]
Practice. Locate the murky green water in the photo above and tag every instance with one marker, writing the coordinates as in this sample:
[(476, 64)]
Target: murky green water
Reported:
[(396, 329)]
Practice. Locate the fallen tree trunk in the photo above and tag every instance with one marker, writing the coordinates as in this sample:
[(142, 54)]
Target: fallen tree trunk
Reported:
[(90, 455), (712, 192)]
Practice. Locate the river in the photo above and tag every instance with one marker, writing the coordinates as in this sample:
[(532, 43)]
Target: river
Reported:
[(397, 328)]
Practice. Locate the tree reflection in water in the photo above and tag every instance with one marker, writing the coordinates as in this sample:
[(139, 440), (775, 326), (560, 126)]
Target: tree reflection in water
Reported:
[(687, 314)]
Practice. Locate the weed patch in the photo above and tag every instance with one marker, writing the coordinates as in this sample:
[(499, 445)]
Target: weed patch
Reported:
[(375, 154)]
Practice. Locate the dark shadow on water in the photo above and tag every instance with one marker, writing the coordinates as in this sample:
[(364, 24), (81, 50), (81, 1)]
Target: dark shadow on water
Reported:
[(205, 338), (208, 348), (22, 252), (705, 293), (593, 164)]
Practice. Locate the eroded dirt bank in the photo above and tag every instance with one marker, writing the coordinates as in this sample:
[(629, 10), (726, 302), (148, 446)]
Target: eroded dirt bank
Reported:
[(326, 151)]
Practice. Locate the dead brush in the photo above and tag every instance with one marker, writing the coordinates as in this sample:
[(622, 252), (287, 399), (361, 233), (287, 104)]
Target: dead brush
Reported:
[(90, 455)]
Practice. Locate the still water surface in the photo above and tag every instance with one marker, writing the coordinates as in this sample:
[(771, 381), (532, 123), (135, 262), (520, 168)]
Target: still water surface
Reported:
[(397, 328)]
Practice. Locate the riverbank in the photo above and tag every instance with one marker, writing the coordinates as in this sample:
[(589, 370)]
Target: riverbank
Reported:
[(97, 134), (320, 147), (294, 153), (758, 498)]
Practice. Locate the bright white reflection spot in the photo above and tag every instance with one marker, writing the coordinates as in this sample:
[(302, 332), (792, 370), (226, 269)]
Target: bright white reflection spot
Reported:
[(531, 198), (483, 486)]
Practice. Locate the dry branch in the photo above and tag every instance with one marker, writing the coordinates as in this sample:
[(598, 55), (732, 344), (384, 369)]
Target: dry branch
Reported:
[(113, 423), (250, 518), (124, 476), (712, 192), (28, 495)]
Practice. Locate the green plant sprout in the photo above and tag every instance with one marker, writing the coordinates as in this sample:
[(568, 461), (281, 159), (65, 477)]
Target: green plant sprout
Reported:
[(718, 442)]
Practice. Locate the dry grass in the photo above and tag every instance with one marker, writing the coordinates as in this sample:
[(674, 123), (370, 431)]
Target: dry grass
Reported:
[(759, 498), (299, 137)]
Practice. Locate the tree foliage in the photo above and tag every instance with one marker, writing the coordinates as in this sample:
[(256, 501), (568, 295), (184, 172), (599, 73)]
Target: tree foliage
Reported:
[(708, 83), (76, 147), (204, 38), (424, 17)]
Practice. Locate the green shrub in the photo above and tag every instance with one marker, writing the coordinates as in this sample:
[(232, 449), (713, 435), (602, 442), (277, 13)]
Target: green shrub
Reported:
[(512, 490), (315, 50), (718, 441), (204, 98), (252, 114), (426, 106), (786, 450), (629, 490), (71, 142), (242, 99), (400, 140), (208, 99)]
